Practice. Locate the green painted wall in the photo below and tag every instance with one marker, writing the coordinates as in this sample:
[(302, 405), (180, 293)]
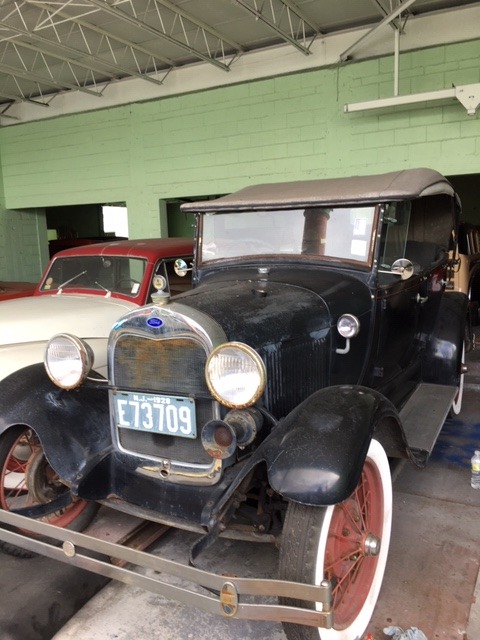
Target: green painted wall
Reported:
[(23, 244), (23, 241), (284, 128)]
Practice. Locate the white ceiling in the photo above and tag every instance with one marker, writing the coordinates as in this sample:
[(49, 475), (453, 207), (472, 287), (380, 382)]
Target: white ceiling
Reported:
[(59, 56)]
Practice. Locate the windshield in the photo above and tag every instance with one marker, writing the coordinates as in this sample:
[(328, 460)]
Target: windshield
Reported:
[(115, 274), (342, 234)]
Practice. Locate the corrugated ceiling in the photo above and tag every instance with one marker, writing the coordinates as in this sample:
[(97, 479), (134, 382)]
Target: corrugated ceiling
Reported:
[(50, 47)]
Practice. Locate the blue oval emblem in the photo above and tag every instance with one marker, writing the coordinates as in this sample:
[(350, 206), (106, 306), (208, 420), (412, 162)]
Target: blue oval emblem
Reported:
[(154, 322)]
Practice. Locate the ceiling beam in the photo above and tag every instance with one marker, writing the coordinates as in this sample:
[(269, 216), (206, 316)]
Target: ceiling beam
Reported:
[(114, 11), (378, 5), (387, 20), (287, 10), (41, 80), (21, 98), (93, 61), (199, 23), (52, 11)]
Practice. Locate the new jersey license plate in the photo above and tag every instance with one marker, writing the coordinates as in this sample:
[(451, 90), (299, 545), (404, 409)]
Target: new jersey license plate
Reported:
[(153, 413)]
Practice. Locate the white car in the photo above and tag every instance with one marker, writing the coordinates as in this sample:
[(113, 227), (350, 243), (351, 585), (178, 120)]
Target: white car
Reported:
[(84, 291)]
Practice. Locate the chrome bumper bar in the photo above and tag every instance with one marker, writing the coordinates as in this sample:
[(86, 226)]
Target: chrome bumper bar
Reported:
[(222, 596)]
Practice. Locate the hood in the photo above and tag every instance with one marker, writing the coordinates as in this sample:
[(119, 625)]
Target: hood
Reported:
[(273, 314), (38, 318), (291, 326), (267, 313)]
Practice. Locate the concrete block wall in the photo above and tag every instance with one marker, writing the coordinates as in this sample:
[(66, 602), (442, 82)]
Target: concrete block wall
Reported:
[(212, 142), (23, 245)]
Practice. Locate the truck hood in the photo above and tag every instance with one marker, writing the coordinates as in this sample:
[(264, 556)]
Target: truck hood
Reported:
[(38, 318)]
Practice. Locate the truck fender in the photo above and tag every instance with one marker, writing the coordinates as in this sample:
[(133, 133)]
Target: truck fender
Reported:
[(73, 426), (443, 349), (315, 455)]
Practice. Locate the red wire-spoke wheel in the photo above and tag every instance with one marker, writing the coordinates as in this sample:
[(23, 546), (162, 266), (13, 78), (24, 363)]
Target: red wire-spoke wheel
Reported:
[(346, 543), (26, 480)]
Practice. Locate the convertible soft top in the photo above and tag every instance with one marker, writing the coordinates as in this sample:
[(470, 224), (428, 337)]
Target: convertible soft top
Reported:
[(397, 185)]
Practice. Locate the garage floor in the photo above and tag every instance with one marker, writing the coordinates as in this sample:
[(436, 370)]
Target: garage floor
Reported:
[(430, 581)]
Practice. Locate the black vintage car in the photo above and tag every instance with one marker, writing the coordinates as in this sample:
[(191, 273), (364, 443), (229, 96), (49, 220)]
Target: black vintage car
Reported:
[(319, 343)]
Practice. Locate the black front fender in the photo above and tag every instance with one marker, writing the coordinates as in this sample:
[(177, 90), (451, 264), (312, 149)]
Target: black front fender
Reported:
[(73, 426), (316, 454)]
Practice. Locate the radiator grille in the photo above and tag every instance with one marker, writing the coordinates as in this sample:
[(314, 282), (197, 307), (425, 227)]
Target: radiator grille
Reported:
[(172, 366)]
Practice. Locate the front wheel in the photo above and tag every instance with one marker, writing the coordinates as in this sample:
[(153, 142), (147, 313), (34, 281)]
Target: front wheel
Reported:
[(346, 543), (26, 480)]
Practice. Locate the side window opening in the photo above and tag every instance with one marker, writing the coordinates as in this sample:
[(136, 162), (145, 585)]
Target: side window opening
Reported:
[(419, 230), (431, 226)]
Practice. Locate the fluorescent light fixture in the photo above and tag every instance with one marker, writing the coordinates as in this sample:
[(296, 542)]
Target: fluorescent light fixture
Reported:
[(468, 95)]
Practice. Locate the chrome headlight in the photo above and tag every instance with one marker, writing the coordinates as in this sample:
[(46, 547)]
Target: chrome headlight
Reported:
[(68, 360), (235, 375), (348, 325)]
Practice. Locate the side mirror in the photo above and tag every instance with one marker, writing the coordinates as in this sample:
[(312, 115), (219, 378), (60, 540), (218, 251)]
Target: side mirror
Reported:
[(401, 267), (181, 267)]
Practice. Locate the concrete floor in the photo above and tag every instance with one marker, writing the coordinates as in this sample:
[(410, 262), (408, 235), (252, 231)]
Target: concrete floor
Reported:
[(430, 581), (38, 596)]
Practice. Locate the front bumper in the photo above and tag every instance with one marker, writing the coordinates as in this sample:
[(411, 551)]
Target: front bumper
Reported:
[(220, 595)]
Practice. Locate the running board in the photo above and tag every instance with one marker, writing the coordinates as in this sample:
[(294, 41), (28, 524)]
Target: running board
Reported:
[(423, 416)]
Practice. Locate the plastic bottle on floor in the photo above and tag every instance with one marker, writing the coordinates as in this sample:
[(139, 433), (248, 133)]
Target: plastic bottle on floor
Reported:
[(475, 479)]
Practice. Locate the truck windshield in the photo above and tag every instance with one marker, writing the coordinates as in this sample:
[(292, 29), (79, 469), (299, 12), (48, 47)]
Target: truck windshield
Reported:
[(341, 234)]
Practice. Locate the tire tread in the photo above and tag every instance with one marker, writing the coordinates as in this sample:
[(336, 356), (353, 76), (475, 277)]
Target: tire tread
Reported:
[(298, 559)]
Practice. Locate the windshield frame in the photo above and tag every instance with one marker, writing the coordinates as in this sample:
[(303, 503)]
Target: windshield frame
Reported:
[(283, 257)]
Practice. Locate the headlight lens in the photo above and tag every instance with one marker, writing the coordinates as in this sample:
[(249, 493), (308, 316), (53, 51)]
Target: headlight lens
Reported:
[(348, 325), (68, 360), (235, 374)]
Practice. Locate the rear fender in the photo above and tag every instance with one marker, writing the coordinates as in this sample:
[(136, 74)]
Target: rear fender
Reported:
[(316, 454), (73, 426)]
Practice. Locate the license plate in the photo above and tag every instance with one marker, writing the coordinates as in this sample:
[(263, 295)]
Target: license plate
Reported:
[(152, 413)]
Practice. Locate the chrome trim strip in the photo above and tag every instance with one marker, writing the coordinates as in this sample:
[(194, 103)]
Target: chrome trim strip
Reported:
[(178, 320)]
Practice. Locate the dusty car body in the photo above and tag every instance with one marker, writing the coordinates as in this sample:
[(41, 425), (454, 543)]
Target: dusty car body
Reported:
[(317, 343)]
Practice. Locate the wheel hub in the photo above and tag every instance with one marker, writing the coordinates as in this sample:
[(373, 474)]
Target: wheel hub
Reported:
[(40, 478), (371, 545)]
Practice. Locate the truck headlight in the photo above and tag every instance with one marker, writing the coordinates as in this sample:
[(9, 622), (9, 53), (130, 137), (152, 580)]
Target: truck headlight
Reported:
[(68, 360), (235, 375)]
